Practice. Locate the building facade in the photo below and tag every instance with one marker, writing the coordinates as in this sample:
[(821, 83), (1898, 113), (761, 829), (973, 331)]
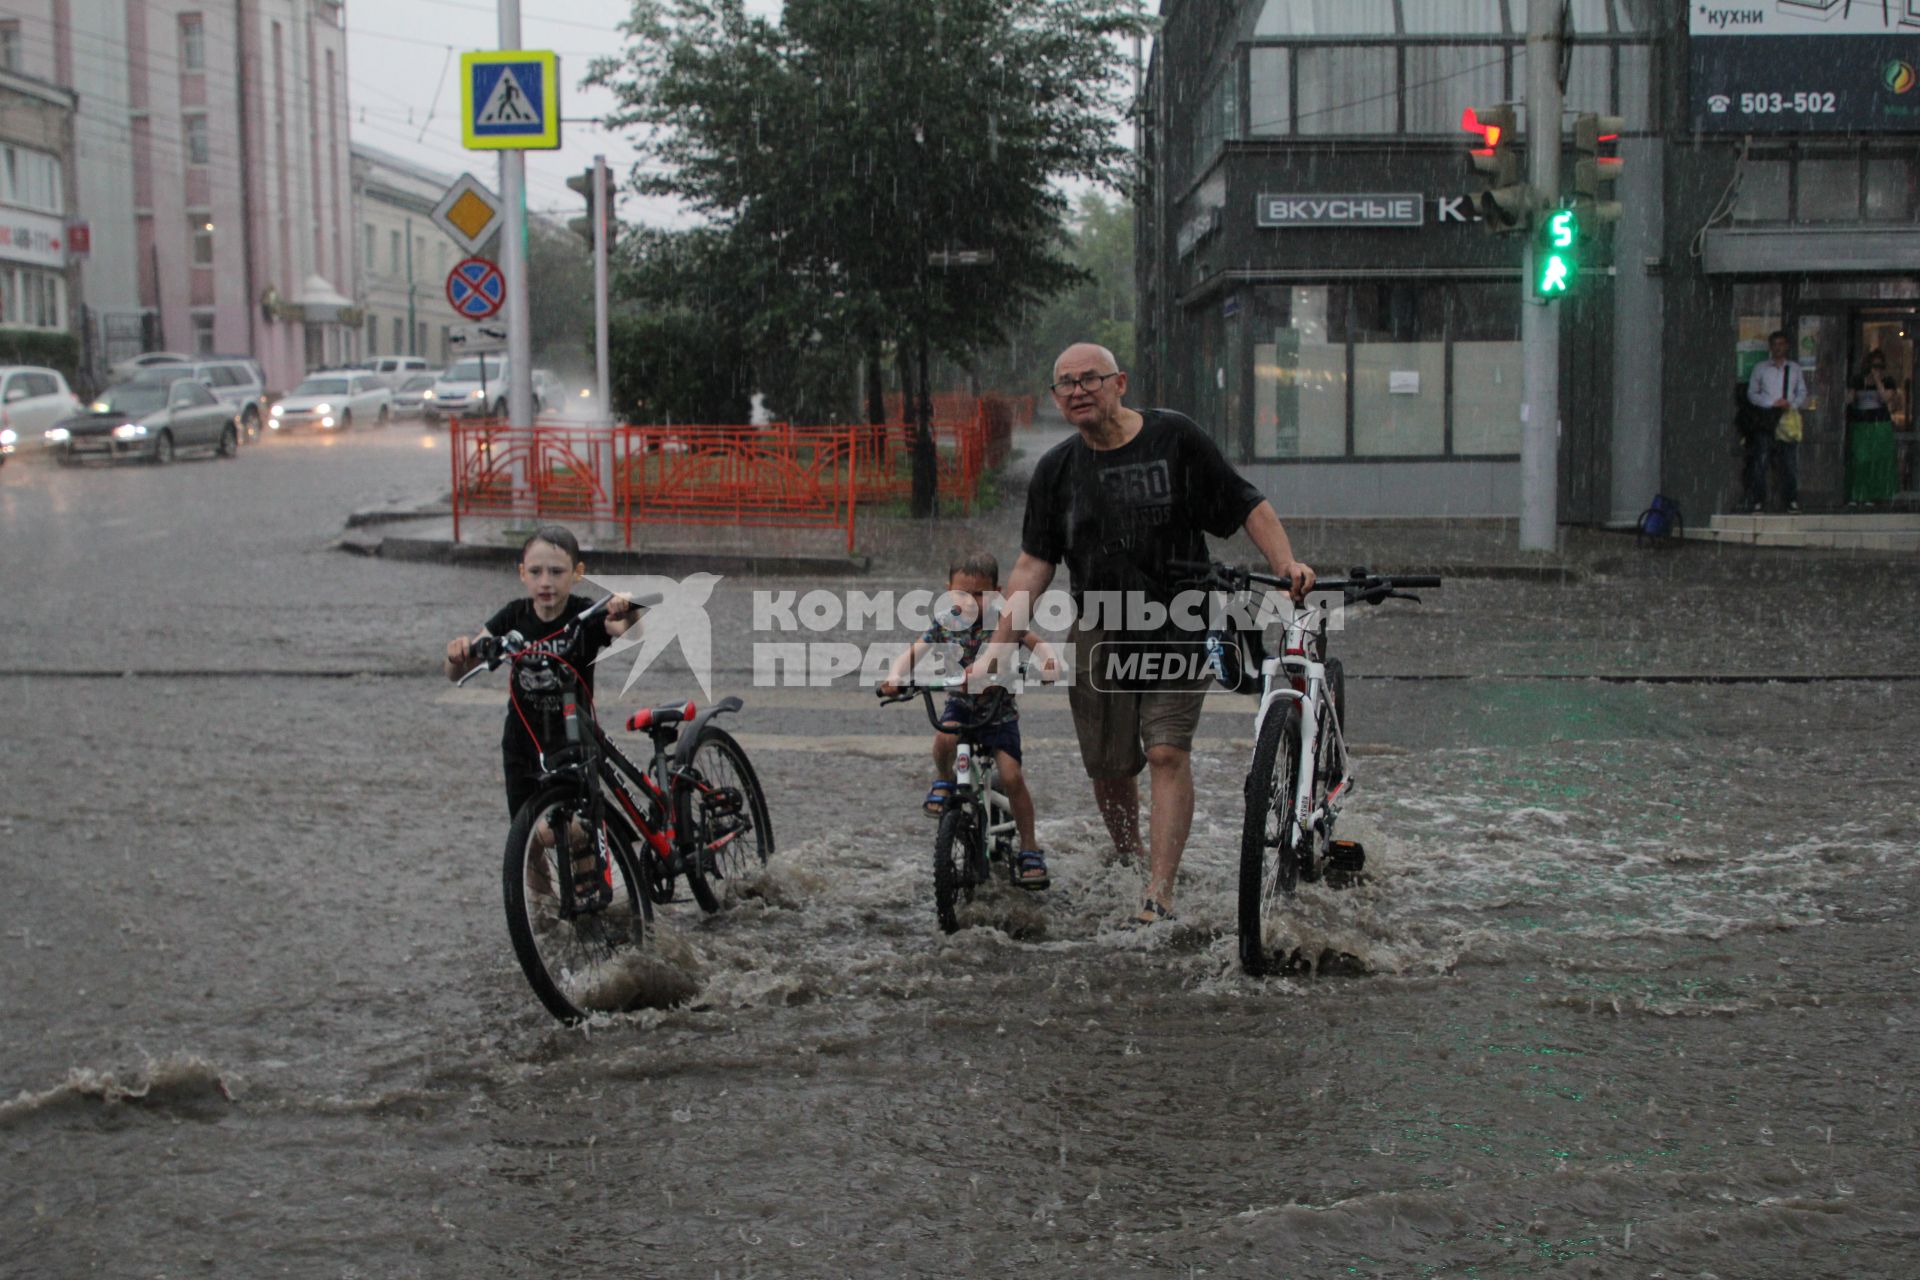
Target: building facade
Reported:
[(1317, 290), (213, 171), (36, 197), (404, 257)]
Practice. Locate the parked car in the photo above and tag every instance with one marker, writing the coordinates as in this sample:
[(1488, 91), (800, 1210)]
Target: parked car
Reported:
[(152, 417), (32, 399), (460, 392), (395, 370), (334, 402), (126, 370), (238, 383), (410, 397)]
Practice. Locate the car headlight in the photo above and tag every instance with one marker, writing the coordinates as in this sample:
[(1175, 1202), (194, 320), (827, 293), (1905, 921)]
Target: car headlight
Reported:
[(129, 431), (326, 422), (323, 408), (427, 396), (59, 435), (478, 394), (8, 436), (277, 410), (99, 406)]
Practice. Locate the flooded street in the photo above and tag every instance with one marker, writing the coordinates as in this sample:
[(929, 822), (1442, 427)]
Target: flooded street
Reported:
[(1630, 990)]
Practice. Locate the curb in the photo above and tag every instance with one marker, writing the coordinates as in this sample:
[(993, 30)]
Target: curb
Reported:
[(671, 563)]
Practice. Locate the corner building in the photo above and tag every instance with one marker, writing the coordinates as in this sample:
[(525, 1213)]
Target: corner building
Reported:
[(1316, 291)]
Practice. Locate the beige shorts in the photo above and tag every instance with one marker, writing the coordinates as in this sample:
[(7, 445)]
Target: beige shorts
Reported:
[(1116, 729)]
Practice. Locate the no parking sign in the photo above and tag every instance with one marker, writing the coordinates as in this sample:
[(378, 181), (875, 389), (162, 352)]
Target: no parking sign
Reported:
[(476, 288)]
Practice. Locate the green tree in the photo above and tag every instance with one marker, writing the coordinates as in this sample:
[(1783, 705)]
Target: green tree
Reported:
[(841, 146), (1099, 307)]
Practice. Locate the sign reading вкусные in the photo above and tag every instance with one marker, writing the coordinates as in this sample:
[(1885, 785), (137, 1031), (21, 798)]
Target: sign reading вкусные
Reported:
[(1394, 209), (1805, 66)]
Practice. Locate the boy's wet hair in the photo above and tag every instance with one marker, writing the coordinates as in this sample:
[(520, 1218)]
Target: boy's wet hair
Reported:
[(980, 563), (557, 535)]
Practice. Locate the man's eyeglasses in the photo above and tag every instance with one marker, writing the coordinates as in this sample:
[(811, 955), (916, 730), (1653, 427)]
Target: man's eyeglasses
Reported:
[(1085, 382)]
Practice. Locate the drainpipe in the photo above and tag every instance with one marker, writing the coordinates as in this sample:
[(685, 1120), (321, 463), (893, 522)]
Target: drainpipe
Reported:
[(246, 175)]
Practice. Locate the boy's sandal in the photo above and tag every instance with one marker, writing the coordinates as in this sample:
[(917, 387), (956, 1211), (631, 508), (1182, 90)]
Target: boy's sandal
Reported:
[(1030, 870), (1150, 913), (938, 796)]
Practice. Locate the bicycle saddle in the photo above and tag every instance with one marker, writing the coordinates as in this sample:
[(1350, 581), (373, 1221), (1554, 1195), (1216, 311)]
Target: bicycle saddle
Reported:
[(659, 717)]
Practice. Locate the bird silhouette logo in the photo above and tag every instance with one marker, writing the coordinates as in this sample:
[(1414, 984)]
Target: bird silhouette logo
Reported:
[(681, 616)]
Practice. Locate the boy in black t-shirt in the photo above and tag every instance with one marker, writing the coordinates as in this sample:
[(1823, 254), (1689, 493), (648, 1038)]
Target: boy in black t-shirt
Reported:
[(550, 565)]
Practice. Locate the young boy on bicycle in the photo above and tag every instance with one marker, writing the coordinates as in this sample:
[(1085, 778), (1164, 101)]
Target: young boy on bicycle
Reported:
[(971, 578)]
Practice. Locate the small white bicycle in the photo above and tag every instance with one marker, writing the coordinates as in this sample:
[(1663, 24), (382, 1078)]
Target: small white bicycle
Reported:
[(1301, 774)]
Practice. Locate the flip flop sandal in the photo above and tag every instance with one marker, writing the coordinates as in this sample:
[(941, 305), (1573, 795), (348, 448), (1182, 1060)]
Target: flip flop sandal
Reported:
[(1150, 914), (939, 796), (1030, 870)]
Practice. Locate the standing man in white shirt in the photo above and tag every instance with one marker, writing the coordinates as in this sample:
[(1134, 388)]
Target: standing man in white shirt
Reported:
[(1776, 385)]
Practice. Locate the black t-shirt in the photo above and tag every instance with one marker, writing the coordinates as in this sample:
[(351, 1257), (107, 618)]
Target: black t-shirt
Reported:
[(542, 706), (1117, 516)]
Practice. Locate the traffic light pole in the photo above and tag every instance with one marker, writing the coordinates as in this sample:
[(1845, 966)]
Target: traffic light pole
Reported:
[(513, 254), (1539, 321), (602, 218)]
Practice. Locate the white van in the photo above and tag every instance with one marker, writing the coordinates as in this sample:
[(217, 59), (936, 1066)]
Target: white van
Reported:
[(394, 370)]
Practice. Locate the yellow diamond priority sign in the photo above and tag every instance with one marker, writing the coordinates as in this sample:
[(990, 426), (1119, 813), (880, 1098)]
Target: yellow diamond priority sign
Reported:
[(469, 213)]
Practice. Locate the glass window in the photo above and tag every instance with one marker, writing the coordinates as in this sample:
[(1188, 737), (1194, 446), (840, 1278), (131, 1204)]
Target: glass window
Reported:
[(199, 149), (1589, 17), (1488, 369), (1637, 16), (366, 234), (1299, 375), (1762, 196), (1326, 18), (1441, 79), (1347, 90), (1269, 108), (1829, 188), (1399, 369), (10, 46), (1590, 79), (399, 332), (200, 232), (1453, 18), (1636, 85), (202, 333), (1890, 188), (1757, 312), (193, 43), (393, 252)]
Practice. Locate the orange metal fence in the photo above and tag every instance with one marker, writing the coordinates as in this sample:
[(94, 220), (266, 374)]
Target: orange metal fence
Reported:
[(742, 476), (778, 476)]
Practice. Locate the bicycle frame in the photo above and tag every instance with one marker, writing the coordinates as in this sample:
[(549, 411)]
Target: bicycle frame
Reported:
[(1296, 677)]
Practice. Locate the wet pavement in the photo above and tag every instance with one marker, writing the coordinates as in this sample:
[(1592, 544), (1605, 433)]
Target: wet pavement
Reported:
[(1629, 992)]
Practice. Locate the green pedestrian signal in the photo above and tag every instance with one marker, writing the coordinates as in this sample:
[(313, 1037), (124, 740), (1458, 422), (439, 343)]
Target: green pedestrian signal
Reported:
[(1556, 257)]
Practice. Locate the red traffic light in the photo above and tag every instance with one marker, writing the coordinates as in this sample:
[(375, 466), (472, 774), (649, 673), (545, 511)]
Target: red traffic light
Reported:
[(1489, 132)]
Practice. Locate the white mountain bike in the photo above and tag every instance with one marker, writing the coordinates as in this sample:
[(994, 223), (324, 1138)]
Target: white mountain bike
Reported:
[(1301, 774)]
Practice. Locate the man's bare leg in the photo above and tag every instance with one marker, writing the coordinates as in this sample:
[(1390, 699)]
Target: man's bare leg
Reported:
[(1118, 800), (1171, 770)]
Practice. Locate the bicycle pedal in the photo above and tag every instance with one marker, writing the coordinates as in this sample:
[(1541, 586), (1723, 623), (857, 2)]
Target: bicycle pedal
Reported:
[(1346, 863)]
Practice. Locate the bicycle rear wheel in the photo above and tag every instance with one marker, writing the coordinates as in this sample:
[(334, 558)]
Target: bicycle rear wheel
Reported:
[(953, 864), (585, 964), (1268, 869), (722, 814)]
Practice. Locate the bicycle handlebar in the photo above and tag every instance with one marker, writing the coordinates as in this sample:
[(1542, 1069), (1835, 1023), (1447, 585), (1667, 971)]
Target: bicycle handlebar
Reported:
[(490, 651), (1360, 584)]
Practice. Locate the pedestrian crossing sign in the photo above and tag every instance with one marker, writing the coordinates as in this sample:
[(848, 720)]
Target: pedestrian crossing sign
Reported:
[(510, 100)]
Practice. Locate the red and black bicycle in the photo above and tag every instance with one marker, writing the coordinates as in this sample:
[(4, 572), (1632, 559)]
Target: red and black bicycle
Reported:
[(603, 839)]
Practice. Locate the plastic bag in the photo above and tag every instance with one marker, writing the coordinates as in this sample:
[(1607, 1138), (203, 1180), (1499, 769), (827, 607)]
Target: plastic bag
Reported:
[(1789, 428)]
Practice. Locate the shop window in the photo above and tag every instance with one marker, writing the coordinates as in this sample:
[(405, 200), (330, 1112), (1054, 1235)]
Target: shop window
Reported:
[(1442, 77), (1269, 102), (1348, 89), (200, 238), (1890, 185), (1488, 370), (1828, 188), (1299, 375), (1454, 18), (1326, 18), (1762, 196), (1399, 369)]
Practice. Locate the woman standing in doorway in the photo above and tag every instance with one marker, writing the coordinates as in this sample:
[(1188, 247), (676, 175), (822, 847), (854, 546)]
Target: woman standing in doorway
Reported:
[(1871, 474)]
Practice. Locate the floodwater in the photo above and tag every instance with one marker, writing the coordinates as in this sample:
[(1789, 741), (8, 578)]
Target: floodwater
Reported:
[(1629, 990)]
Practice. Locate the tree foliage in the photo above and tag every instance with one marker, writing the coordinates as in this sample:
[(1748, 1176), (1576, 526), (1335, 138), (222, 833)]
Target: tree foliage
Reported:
[(1099, 308), (838, 147)]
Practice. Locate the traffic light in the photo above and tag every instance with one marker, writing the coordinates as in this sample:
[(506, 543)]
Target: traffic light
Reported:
[(1507, 202), (587, 187), (1556, 255), (1594, 173)]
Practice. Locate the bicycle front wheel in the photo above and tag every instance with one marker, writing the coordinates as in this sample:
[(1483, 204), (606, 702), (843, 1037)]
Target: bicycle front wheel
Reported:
[(953, 864), (1268, 868), (722, 824), (586, 963)]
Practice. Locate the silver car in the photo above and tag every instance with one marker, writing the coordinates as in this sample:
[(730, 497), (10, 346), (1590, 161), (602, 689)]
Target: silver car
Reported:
[(152, 417)]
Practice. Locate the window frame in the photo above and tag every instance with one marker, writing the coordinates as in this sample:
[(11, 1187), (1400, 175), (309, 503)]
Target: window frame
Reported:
[(193, 44)]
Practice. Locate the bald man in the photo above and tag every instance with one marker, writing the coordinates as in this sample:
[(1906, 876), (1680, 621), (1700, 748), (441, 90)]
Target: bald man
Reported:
[(1133, 490)]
